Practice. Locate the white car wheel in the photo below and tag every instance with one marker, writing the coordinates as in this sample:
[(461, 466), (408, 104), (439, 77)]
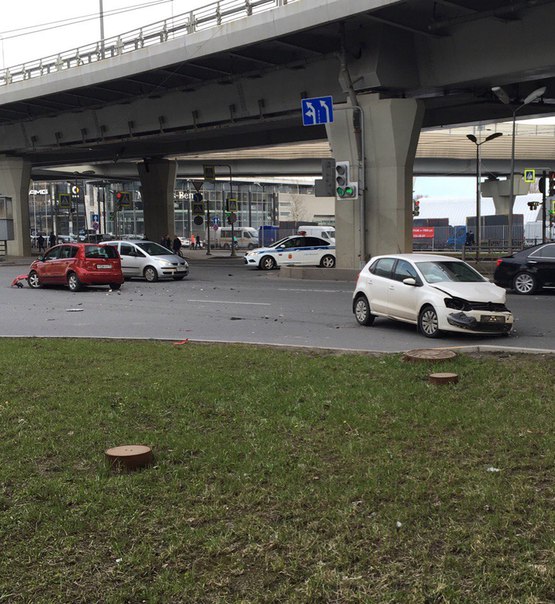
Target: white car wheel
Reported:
[(327, 261), (428, 322), (362, 311), (267, 263)]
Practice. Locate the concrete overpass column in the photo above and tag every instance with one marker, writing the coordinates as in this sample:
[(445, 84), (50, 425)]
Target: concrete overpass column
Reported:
[(500, 191), (391, 131), (15, 176), (157, 190)]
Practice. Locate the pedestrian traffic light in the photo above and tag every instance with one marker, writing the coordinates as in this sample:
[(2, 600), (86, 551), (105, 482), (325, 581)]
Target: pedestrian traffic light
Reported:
[(416, 207), (345, 188), (197, 197)]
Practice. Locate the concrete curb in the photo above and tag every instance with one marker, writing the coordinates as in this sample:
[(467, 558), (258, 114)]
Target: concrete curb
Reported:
[(462, 349)]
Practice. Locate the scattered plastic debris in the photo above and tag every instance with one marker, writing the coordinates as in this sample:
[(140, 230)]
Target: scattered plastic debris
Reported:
[(185, 341), (17, 282), (492, 469), (74, 310), (398, 524)]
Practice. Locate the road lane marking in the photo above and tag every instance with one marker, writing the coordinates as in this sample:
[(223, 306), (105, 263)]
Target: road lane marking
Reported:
[(229, 302)]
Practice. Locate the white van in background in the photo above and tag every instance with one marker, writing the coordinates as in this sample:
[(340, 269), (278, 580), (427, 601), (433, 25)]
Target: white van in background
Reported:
[(324, 232), (245, 237)]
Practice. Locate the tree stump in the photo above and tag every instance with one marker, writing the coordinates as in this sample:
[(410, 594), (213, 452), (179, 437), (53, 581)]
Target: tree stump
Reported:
[(429, 354), (129, 457), (443, 378)]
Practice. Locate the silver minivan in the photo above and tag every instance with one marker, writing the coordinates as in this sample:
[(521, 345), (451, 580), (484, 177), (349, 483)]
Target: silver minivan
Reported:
[(149, 260)]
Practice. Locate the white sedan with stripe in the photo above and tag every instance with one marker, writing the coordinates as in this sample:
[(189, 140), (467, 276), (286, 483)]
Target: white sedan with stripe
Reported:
[(293, 251)]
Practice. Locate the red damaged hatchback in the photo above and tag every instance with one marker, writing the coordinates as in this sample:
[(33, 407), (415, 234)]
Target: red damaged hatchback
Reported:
[(77, 265)]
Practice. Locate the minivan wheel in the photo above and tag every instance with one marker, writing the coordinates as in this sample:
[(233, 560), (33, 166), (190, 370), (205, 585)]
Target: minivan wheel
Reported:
[(327, 261), (33, 280), (362, 311), (150, 274), (428, 322), (73, 282), (525, 283), (267, 263)]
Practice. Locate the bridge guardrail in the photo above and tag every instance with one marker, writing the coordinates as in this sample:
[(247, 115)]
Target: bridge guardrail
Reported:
[(211, 15)]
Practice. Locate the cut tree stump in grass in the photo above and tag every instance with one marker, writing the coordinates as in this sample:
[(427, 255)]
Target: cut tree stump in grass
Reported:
[(443, 378), (429, 354), (129, 457)]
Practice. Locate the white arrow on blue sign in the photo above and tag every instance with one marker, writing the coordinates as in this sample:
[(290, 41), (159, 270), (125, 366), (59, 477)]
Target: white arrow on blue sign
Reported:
[(318, 110)]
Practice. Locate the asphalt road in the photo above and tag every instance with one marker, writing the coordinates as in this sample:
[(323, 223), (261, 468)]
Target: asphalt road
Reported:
[(222, 300)]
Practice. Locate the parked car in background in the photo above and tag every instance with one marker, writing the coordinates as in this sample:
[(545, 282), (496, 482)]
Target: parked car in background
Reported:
[(185, 241), (527, 271), (71, 238), (77, 265), (324, 232), (243, 237), (149, 260), (436, 293), (293, 251)]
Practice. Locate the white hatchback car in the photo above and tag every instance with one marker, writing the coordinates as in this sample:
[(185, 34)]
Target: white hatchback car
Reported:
[(293, 251), (150, 260), (437, 293)]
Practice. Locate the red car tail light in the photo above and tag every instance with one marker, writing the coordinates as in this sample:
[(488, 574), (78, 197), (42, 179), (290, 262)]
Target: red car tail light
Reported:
[(499, 261)]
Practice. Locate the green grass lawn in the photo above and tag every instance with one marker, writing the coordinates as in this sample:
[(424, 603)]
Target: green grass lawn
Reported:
[(279, 476)]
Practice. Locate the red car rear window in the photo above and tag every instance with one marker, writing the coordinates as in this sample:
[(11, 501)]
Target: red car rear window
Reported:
[(100, 251)]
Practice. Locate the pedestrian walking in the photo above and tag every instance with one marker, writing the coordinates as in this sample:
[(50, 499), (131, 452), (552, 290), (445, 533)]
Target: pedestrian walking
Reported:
[(51, 239), (176, 245), (40, 242)]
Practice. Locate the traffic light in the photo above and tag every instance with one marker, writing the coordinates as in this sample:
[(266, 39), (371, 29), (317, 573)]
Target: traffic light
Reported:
[(416, 207), (551, 184), (533, 205), (345, 188)]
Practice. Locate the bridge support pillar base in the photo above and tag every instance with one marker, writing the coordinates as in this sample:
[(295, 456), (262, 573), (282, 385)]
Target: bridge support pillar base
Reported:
[(15, 176), (157, 192)]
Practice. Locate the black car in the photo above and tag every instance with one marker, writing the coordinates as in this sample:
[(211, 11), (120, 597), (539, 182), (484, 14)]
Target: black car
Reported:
[(527, 271)]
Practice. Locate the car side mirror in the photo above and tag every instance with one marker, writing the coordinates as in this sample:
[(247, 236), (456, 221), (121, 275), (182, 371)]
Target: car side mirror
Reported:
[(409, 281), (41, 258)]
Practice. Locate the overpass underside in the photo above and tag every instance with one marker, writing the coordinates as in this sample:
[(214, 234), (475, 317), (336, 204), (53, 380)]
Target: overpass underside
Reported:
[(392, 68)]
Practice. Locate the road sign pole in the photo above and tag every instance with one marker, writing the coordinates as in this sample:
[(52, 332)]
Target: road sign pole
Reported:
[(544, 203)]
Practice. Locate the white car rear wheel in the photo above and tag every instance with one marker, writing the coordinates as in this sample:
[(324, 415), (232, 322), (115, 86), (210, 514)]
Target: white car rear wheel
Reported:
[(362, 311)]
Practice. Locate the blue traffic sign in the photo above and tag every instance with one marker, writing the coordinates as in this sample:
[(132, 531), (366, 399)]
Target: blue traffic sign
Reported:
[(95, 218), (318, 110)]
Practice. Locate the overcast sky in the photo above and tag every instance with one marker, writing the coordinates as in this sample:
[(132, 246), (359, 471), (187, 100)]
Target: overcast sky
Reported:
[(16, 48)]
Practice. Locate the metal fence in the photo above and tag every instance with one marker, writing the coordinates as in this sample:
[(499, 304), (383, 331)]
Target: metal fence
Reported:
[(492, 239), (212, 15)]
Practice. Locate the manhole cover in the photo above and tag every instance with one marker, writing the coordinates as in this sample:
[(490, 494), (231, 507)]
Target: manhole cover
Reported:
[(429, 354)]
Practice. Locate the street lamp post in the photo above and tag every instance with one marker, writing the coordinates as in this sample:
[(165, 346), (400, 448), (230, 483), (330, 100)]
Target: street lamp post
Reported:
[(472, 138), (504, 98)]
